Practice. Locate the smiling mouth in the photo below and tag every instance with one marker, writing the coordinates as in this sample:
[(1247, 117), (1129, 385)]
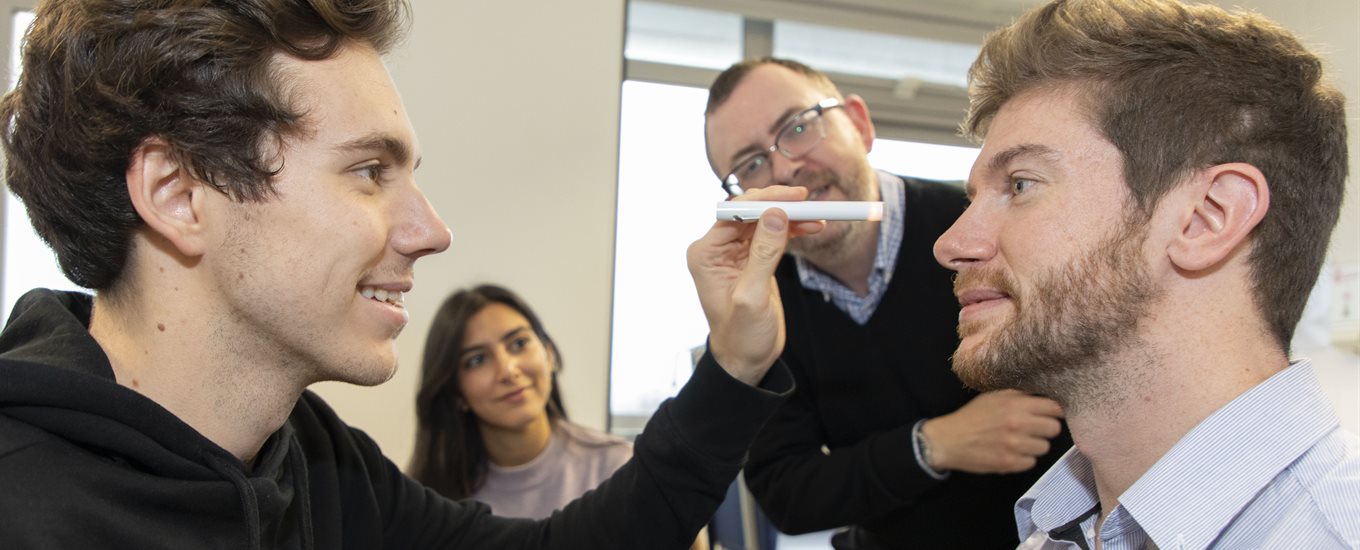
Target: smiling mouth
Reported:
[(514, 394), (979, 295), (390, 297), (818, 194)]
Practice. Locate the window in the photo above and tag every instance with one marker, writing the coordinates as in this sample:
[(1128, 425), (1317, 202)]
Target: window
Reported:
[(666, 198), (667, 193), (685, 36), (875, 54)]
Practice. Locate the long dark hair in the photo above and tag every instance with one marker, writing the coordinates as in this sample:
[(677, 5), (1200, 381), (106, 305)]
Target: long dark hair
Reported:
[(449, 456)]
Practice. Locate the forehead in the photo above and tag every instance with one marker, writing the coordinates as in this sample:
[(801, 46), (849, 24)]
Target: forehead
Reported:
[(761, 100), (1048, 136), (346, 97), (1053, 123), (491, 322)]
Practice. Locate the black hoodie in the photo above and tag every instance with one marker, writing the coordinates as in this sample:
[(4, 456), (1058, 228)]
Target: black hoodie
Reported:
[(87, 463)]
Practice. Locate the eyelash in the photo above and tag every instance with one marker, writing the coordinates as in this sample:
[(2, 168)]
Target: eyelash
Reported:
[(517, 345), (473, 362), (1015, 181), (372, 172)]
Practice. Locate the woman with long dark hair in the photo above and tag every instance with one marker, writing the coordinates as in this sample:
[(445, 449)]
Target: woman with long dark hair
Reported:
[(491, 421)]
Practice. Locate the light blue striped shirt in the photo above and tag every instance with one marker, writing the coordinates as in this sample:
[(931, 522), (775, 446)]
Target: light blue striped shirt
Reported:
[(861, 308), (1271, 469)]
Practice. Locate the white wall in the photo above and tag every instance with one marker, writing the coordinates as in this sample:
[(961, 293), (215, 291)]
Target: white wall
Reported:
[(516, 106), (1330, 28)]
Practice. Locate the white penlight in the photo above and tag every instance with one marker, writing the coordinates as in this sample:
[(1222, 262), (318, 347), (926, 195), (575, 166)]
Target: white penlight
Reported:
[(749, 211)]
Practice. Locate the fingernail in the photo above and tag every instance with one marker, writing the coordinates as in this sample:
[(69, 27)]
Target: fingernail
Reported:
[(773, 223)]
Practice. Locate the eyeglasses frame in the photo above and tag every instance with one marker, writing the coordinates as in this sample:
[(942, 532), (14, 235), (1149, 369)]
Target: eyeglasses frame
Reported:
[(729, 182)]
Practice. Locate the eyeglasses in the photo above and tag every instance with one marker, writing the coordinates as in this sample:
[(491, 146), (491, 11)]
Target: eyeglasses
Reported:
[(796, 138)]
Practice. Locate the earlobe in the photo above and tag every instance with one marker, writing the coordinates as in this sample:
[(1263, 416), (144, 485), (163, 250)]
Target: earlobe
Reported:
[(167, 197), (1226, 202)]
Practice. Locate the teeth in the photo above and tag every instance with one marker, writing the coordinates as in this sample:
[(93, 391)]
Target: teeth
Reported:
[(382, 295)]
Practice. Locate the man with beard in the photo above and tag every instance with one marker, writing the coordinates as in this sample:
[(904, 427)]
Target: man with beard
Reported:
[(1152, 204), (880, 434)]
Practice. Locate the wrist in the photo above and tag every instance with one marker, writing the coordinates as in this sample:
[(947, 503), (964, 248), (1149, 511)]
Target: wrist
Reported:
[(926, 455)]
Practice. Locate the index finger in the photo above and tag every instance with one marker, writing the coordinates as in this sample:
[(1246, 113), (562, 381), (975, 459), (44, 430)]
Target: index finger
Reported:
[(1044, 406), (773, 193)]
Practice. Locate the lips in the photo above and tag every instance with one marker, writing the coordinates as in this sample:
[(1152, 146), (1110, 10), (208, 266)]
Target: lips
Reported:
[(975, 303), (513, 395), (394, 297), (979, 295), (389, 299)]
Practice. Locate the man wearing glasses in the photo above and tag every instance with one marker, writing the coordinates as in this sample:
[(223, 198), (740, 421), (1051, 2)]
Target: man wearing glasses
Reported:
[(880, 434)]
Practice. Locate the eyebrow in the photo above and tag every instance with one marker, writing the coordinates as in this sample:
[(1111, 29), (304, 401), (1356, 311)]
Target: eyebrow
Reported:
[(778, 123), (383, 143), (1024, 150)]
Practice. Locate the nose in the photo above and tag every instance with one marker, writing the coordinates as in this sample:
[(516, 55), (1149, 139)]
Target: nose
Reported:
[(507, 366), (784, 170), (968, 242), (421, 232)]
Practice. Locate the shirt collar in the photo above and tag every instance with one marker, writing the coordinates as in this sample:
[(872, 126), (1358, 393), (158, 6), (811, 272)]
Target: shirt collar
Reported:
[(1064, 494), (1191, 494), (1185, 498), (891, 192)]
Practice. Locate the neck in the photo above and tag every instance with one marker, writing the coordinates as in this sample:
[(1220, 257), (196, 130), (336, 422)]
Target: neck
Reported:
[(1160, 388), (853, 263), (519, 445), (160, 341)]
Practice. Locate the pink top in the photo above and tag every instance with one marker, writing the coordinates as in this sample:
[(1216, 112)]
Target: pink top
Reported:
[(575, 461)]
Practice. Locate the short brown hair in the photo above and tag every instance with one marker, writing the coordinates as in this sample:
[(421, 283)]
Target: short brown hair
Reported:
[(101, 76), (728, 80), (1177, 88)]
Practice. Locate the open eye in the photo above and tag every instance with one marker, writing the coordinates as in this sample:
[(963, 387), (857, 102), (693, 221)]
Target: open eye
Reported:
[(751, 167), (1020, 185), (373, 172), (518, 344), (473, 361)]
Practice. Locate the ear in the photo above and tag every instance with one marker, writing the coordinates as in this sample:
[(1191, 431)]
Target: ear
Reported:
[(167, 197), (552, 358), (1225, 203), (858, 111)]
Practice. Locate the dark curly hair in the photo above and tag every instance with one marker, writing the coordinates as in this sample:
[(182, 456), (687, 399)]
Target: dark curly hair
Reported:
[(102, 76)]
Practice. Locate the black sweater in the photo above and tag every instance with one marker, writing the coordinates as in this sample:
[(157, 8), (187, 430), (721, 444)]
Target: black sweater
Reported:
[(87, 463), (860, 390)]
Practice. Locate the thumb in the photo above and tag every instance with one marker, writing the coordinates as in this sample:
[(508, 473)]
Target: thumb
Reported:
[(767, 246)]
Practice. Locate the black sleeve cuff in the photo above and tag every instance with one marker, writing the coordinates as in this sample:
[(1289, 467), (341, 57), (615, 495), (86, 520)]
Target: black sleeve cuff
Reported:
[(895, 462), (719, 415)]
